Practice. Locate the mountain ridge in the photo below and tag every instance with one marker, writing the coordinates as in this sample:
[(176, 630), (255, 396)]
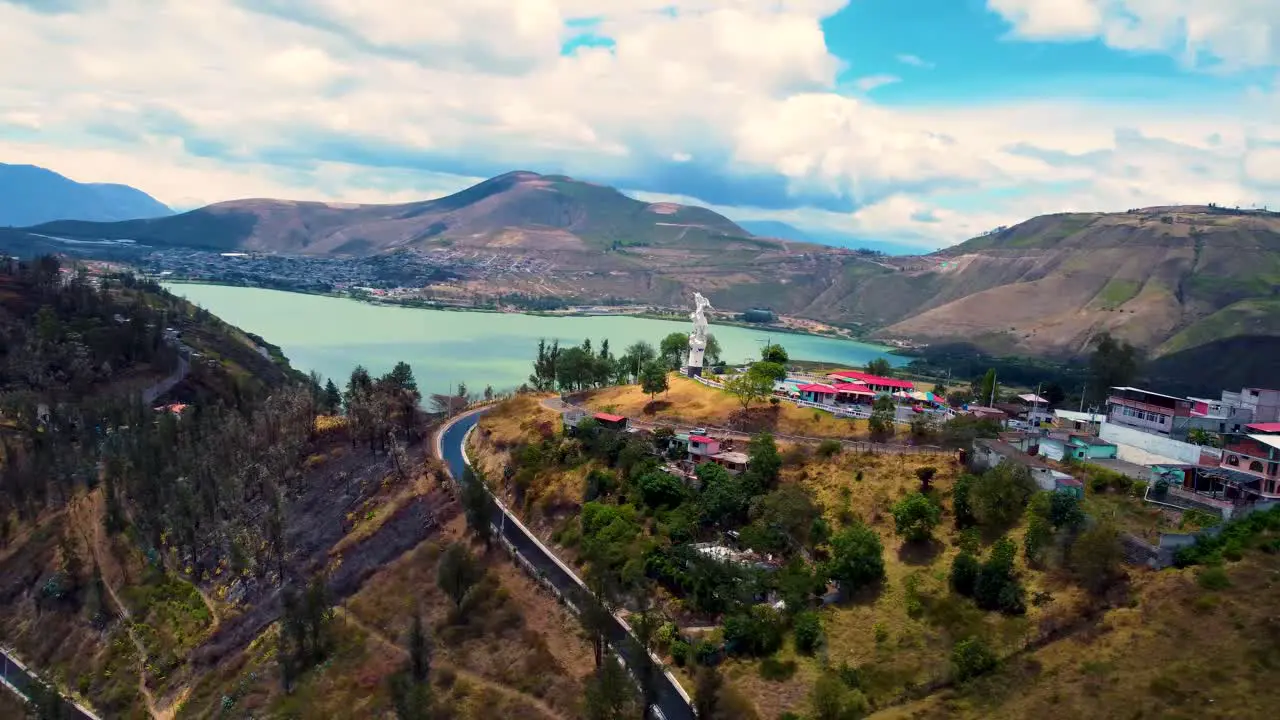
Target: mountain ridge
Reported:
[(31, 195), (1168, 279)]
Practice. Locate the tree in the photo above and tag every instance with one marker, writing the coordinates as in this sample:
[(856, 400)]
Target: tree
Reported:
[(763, 463), (915, 516), (332, 400), (883, 414), (1053, 393), (999, 495), (661, 489), (457, 572), (987, 388), (1037, 539), (1065, 511), (797, 583), (776, 372), (807, 629), (749, 387), (609, 694), (1200, 436), (575, 368), (774, 353), (997, 587), (781, 519), (971, 657), (653, 379), (419, 650), (1095, 558), (401, 378), (544, 366), (712, 351), (833, 699), (925, 475), (673, 349), (857, 558), (638, 355), (476, 505), (1113, 363), (724, 498), (706, 694), (880, 367), (964, 573), (961, 504)]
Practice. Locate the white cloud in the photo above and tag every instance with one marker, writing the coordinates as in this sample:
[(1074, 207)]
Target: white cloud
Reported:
[(198, 102), (914, 61), (1224, 34), (871, 82)]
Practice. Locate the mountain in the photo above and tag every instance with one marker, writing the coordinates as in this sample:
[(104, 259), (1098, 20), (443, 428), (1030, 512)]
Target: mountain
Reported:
[(835, 238), (1167, 279), (516, 211), (31, 195)]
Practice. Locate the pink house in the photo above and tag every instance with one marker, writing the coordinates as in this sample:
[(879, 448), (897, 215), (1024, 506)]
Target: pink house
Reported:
[(701, 448), (874, 383)]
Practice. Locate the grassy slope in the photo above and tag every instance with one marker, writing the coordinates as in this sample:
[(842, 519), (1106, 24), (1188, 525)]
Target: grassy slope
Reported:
[(691, 402), (1178, 651)]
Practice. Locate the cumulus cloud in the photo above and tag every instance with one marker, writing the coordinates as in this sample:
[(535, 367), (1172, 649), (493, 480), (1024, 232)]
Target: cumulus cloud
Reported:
[(733, 104), (1224, 34)]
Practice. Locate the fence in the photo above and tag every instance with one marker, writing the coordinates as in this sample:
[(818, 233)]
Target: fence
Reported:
[(541, 578)]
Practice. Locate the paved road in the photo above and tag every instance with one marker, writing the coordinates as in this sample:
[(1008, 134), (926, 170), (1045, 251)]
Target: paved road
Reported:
[(20, 678), (669, 700)]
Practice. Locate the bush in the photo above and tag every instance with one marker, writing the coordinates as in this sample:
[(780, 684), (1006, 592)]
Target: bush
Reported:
[(1213, 578), (758, 631), (680, 652), (829, 448), (971, 658), (915, 516), (808, 632), (777, 670), (964, 574), (832, 699), (706, 653)]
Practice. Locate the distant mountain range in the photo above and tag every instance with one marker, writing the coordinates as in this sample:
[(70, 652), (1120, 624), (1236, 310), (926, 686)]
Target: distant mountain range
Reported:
[(31, 195), (1175, 281), (835, 238)]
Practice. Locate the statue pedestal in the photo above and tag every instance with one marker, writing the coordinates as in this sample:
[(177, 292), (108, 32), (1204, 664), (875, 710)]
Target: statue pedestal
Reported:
[(696, 351)]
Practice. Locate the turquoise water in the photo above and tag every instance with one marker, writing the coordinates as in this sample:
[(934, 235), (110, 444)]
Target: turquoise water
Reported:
[(333, 335)]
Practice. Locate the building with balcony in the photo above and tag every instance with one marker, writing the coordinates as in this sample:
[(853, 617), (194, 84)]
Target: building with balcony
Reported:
[(1148, 411), (1258, 455)]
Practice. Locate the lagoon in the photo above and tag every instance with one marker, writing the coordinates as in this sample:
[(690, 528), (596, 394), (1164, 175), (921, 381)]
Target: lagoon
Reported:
[(332, 335)]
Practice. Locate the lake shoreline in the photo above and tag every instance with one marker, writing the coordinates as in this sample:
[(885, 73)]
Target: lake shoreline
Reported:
[(424, 305)]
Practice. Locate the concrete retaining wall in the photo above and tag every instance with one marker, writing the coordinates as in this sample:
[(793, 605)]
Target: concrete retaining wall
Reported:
[(1128, 440)]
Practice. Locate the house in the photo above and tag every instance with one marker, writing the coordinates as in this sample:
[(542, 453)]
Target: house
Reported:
[(1035, 409), (734, 462), (1256, 454), (1262, 405), (874, 383), (818, 393), (1149, 411), (1061, 446), (987, 413), (610, 421), (989, 453), (1083, 422), (701, 448)]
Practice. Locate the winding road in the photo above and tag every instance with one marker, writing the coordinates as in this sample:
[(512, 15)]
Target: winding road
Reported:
[(16, 678), (450, 447)]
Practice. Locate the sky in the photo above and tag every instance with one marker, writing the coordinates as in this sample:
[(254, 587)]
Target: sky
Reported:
[(917, 122)]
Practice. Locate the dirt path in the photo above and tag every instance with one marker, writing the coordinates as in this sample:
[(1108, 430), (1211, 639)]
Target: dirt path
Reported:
[(98, 547), (470, 676)]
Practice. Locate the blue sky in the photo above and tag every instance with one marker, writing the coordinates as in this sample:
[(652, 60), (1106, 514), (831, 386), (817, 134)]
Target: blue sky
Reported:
[(917, 123)]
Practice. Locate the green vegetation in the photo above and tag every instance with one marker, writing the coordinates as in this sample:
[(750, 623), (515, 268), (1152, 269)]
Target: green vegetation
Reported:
[(1117, 292)]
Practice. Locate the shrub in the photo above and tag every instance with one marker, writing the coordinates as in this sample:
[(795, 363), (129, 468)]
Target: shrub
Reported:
[(964, 573), (1213, 578), (971, 658), (777, 670), (706, 653), (808, 632), (758, 631), (680, 652), (829, 448), (832, 699), (915, 516)]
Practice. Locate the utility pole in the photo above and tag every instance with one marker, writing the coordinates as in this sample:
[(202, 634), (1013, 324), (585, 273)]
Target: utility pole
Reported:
[(1083, 389)]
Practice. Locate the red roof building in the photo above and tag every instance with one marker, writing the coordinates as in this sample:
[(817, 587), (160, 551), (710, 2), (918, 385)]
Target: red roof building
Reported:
[(1264, 428), (874, 382), (701, 439), (606, 417), (817, 388)]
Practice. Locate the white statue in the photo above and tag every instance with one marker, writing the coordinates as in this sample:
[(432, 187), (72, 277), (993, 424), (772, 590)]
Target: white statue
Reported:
[(698, 338)]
